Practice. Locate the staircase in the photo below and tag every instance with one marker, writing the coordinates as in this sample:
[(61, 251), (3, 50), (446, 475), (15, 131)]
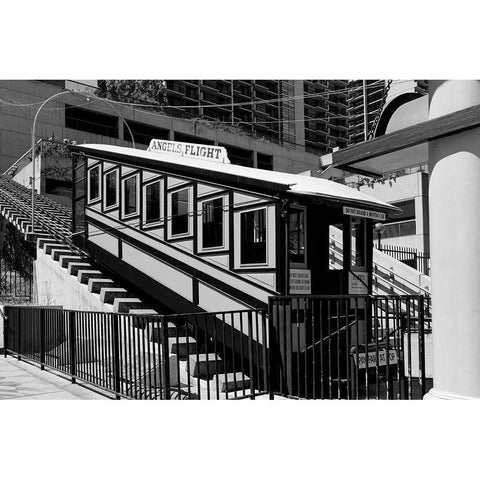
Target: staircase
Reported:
[(195, 371), (390, 276)]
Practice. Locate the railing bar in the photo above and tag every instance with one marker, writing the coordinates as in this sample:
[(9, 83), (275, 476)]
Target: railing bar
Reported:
[(206, 346), (224, 340), (250, 351), (242, 355), (347, 351), (216, 355), (177, 357), (373, 307), (338, 350)]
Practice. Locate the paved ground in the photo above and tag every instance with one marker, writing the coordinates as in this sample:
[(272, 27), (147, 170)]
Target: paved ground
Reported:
[(22, 381)]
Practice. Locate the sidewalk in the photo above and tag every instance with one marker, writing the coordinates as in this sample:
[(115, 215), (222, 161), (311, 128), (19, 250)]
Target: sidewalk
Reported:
[(22, 381)]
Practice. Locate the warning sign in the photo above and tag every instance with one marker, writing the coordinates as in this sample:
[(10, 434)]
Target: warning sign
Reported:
[(300, 281), (360, 212), (358, 283)]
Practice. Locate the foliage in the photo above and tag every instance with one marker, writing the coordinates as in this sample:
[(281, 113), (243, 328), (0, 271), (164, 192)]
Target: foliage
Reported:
[(151, 92)]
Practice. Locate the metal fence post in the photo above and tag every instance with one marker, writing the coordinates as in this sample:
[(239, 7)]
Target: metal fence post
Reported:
[(6, 330), (271, 353), (116, 355), (19, 333), (42, 339), (73, 356), (165, 370), (421, 342)]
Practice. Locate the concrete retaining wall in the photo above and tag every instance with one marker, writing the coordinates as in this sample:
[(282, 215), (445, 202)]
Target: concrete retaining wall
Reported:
[(55, 286)]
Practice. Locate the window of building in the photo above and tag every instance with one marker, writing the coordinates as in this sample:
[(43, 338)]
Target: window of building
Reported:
[(90, 121), (265, 162), (212, 223), (180, 212), (153, 202), (253, 237), (130, 195), (296, 236), (94, 183), (111, 189), (143, 133)]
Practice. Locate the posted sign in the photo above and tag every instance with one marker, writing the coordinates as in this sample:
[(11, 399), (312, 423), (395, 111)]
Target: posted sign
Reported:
[(358, 283), (300, 281), (373, 361), (191, 150), (360, 212)]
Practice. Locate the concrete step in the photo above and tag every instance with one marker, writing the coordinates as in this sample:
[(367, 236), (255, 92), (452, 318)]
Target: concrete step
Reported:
[(64, 260), (143, 311), (233, 382), (184, 346), (83, 276), (204, 363), (57, 253), (125, 304), (95, 285), (109, 294), (48, 247), (172, 328), (74, 267)]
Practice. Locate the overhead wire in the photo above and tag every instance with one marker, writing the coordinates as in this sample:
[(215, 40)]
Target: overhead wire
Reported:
[(254, 102)]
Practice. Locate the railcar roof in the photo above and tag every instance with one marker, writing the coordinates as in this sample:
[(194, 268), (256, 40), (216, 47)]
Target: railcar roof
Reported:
[(287, 182)]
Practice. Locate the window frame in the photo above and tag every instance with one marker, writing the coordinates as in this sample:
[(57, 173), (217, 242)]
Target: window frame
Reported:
[(161, 197), (305, 258), (114, 170), (189, 232), (89, 169), (225, 223), (266, 223), (135, 175)]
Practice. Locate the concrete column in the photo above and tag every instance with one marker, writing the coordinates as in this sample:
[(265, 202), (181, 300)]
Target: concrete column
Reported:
[(454, 163)]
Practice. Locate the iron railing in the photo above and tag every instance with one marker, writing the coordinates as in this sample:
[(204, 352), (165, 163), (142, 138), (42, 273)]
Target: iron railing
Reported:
[(16, 266), (350, 347), (196, 356), (409, 256)]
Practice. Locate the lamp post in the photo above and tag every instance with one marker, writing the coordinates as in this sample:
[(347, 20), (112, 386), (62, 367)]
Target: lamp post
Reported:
[(379, 228), (33, 140)]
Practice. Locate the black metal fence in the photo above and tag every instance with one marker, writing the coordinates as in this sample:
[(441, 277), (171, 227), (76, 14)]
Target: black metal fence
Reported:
[(197, 356), (350, 347), (409, 256), (312, 347), (16, 266)]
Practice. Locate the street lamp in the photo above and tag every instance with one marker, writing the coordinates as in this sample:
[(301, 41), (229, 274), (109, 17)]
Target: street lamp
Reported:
[(33, 139), (379, 228)]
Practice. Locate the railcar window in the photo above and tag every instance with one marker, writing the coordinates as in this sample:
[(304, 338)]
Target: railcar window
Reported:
[(358, 255), (111, 189), (296, 236), (93, 183), (180, 212), (152, 202), (130, 188), (212, 223), (253, 237)]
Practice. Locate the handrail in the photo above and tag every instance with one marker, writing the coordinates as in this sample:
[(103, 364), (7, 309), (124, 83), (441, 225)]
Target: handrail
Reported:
[(21, 158), (385, 269)]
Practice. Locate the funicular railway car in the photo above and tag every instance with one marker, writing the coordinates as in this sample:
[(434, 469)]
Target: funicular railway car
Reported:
[(194, 233)]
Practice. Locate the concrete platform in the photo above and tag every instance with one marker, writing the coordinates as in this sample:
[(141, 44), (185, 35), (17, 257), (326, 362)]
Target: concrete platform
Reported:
[(22, 381)]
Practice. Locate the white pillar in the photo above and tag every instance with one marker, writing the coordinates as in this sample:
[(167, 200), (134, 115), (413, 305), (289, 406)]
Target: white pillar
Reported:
[(454, 164)]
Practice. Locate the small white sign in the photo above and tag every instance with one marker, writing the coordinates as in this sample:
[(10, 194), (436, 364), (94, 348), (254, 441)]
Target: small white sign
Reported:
[(360, 212), (192, 150), (300, 281), (358, 283), (372, 358)]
